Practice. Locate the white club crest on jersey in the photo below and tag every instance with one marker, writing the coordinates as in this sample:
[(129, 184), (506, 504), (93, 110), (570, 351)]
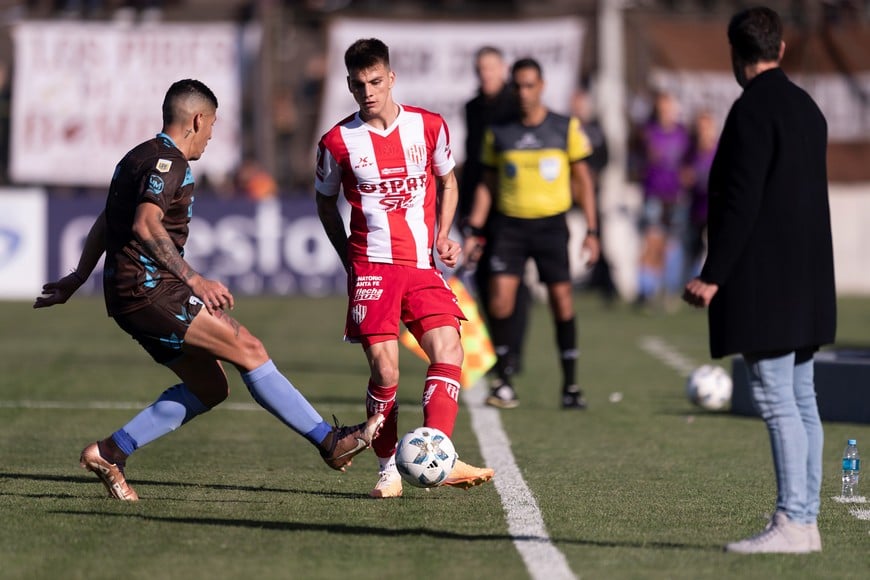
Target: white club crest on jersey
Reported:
[(416, 153), (358, 313)]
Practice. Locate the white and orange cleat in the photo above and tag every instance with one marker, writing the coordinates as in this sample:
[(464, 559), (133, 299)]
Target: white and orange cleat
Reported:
[(465, 476), (111, 474), (389, 485)]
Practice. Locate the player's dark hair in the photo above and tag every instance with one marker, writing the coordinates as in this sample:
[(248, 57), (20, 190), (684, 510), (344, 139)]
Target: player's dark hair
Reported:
[(525, 63), (755, 35), (178, 92), (366, 53)]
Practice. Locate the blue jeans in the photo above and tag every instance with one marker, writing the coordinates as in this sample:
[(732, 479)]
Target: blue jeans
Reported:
[(784, 395)]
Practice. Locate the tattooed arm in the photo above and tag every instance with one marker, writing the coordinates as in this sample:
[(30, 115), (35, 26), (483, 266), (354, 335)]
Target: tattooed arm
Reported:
[(148, 229)]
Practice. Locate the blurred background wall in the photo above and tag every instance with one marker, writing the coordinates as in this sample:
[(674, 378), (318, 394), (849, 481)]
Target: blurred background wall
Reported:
[(81, 81)]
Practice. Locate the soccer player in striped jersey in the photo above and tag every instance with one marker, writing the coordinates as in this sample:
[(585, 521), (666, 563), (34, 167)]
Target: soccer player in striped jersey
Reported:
[(394, 164)]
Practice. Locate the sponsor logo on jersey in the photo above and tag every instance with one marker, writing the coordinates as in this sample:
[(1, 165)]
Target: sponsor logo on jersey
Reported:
[(396, 202), (393, 170), (363, 162), (395, 186), (368, 288), (528, 141), (155, 184), (163, 165), (368, 294)]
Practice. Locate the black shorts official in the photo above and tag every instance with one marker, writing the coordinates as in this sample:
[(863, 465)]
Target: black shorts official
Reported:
[(160, 327), (545, 240)]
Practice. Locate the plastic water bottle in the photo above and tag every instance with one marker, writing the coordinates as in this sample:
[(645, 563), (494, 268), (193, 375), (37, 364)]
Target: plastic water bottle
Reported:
[(851, 468)]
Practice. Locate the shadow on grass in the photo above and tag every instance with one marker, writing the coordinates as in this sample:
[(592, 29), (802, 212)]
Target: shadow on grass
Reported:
[(90, 480), (302, 526), (390, 533)]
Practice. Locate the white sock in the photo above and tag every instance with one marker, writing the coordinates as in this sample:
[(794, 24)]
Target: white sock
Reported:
[(388, 463)]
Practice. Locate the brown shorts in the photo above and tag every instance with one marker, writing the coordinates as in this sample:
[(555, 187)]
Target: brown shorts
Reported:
[(160, 327)]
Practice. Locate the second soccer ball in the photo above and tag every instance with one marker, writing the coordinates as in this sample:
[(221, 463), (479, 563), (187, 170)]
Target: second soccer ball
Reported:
[(709, 387)]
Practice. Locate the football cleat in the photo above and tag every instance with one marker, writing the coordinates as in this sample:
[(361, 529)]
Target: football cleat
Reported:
[(502, 395), (389, 485), (342, 444), (465, 476), (572, 398), (111, 474)]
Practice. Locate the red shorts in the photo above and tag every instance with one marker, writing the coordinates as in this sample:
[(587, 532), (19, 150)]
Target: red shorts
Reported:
[(380, 295)]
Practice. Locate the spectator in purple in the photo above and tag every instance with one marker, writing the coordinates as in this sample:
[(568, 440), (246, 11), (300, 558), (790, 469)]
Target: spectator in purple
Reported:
[(664, 143)]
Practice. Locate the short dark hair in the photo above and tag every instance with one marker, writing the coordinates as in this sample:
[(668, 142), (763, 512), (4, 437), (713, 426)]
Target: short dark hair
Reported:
[(755, 35), (366, 53), (180, 90), (527, 62)]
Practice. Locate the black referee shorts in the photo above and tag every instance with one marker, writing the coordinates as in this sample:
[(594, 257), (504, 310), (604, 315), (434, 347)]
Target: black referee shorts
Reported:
[(513, 241)]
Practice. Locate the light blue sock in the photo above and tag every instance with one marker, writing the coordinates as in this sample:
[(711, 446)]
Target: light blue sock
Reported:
[(277, 395), (175, 407)]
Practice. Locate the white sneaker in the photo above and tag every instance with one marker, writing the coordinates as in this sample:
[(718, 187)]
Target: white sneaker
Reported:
[(815, 538), (782, 536), (389, 485)]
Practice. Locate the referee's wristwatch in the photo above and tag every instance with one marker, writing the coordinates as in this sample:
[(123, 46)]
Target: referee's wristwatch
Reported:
[(592, 232)]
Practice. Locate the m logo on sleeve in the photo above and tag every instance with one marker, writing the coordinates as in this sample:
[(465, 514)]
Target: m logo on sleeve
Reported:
[(155, 184)]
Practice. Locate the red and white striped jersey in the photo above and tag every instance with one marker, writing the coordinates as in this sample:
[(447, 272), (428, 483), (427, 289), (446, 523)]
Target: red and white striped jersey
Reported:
[(388, 177)]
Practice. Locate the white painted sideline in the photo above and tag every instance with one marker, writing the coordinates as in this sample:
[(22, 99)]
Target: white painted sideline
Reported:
[(667, 354), (525, 523)]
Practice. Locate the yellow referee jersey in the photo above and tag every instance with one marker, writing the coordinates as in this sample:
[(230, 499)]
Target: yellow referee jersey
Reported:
[(534, 164)]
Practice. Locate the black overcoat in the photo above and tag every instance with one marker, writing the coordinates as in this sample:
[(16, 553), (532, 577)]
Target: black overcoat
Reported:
[(769, 226)]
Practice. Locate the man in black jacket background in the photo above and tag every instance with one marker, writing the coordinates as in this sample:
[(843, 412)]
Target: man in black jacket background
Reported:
[(769, 274)]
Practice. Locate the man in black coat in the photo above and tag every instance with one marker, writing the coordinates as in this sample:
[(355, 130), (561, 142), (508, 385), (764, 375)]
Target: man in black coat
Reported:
[(769, 274)]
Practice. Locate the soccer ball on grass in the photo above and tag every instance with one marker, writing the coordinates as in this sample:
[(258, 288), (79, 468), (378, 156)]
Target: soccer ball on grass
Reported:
[(425, 457), (709, 387)]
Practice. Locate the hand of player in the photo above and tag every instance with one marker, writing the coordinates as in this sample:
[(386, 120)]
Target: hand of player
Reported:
[(591, 249), (448, 251), (699, 293), (213, 294), (58, 292)]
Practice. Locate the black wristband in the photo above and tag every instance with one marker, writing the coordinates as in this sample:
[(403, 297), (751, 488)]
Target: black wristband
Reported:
[(592, 232), (470, 231)]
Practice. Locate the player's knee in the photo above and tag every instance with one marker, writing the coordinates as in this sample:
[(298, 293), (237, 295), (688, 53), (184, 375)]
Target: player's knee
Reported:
[(448, 352), (385, 374), (252, 350), (501, 308)]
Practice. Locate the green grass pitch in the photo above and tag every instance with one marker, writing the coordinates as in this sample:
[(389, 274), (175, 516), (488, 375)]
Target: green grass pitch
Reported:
[(649, 487)]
